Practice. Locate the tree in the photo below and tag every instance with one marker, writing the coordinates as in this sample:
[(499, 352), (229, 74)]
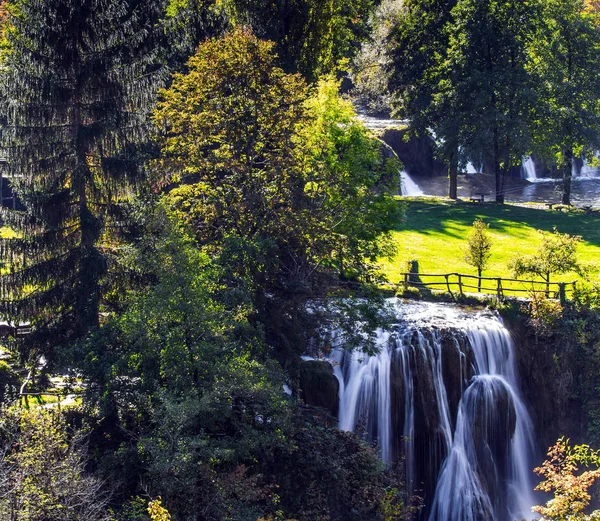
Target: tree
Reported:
[(43, 470), (489, 86), (77, 81), (371, 64), (459, 68), (417, 49), (556, 255), (312, 37), (565, 54), (282, 182), (561, 476), (479, 244)]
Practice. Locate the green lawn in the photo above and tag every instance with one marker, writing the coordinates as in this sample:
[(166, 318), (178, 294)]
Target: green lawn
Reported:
[(435, 231)]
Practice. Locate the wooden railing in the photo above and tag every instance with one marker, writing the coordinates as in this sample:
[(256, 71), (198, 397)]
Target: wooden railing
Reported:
[(499, 286)]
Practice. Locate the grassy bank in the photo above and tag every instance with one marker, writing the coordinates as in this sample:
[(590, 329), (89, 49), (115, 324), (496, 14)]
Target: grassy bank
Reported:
[(435, 231)]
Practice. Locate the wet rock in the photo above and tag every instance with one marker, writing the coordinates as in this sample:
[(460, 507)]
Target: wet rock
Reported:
[(319, 387), (416, 154), (457, 369)]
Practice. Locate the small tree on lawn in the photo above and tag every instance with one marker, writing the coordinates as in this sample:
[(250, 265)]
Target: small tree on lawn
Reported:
[(557, 255), (478, 250)]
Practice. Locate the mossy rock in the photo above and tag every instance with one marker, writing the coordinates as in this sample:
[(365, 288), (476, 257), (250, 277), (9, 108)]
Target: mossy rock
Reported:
[(319, 386)]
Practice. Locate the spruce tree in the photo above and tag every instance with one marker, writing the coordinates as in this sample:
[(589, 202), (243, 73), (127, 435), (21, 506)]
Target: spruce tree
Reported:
[(78, 80)]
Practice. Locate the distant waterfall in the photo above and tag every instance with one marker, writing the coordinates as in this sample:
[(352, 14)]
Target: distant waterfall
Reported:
[(583, 170), (443, 394), (408, 186), (472, 169), (528, 169)]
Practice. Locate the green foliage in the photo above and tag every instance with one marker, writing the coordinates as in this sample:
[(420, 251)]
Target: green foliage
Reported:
[(565, 51), (9, 384), (76, 84), (172, 335), (370, 66), (496, 80), (187, 23), (302, 174), (545, 315), (485, 88), (557, 255), (350, 185), (260, 468), (229, 122), (312, 37), (479, 244), (561, 476), (282, 183), (42, 470)]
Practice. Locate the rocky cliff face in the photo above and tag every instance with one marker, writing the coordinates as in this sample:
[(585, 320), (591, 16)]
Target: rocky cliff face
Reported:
[(416, 154)]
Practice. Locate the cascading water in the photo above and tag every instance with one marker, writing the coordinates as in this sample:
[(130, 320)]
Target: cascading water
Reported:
[(472, 169), (583, 170), (443, 394), (408, 186), (528, 170)]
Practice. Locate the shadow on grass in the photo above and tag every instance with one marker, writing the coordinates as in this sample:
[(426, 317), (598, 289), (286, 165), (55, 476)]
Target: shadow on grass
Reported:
[(450, 218)]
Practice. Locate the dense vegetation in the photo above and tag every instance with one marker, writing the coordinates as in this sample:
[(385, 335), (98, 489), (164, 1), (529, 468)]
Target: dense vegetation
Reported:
[(492, 81), (173, 229), (199, 203)]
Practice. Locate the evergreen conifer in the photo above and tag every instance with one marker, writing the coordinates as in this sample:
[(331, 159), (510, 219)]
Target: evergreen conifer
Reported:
[(78, 79)]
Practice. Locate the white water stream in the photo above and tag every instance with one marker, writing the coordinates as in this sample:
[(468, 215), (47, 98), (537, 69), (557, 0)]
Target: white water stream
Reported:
[(408, 186), (443, 394)]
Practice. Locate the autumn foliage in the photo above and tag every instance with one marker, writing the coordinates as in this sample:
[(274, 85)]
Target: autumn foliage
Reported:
[(562, 476)]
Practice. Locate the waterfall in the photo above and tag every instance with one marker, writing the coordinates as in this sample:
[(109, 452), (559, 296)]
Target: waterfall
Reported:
[(528, 169), (585, 171), (472, 169), (408, 186), (443, 394)]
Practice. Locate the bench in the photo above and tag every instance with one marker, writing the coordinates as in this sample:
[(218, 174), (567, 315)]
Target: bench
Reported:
[(477, 198)]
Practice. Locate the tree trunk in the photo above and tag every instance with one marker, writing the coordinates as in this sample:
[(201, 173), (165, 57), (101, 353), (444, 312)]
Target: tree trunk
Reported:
[(88, 298), (479, 281), (567, 176), (453, 180), (498, 173)]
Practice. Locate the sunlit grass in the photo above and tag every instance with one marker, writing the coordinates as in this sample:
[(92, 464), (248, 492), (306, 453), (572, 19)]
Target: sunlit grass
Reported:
[(435, 231), (7, 233)]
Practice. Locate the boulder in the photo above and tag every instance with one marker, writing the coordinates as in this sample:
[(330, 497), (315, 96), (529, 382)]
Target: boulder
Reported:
[(319, 386)]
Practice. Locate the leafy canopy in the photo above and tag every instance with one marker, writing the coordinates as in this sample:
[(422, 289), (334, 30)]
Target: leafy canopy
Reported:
[(268, 161), (557, 255), (76, 83)]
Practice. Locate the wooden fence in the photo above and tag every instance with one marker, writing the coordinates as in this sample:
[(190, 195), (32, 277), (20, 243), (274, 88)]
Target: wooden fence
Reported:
[(499, 286)]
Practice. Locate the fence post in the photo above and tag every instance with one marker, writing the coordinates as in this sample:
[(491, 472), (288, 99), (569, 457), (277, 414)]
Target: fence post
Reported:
[(413, 276), (499, 290), (405, 281), (447, 277), (460, 288), (562, 292)]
